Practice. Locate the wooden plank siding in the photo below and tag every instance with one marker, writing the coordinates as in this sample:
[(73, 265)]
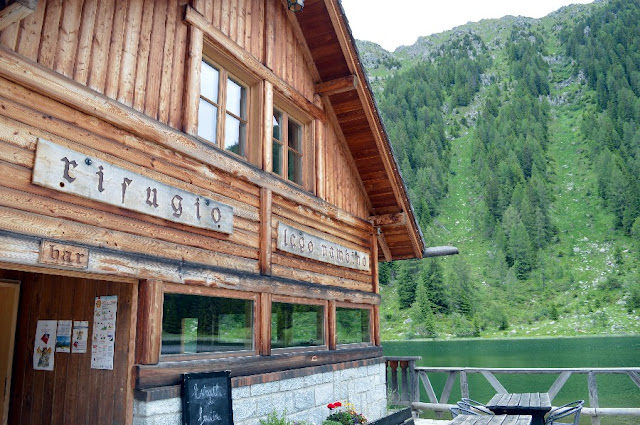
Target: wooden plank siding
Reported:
[(82, 395)]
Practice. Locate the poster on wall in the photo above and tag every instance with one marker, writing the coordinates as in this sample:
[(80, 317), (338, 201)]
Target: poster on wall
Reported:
[(80, 335), (103, 340), (45, 340), (63, 336)]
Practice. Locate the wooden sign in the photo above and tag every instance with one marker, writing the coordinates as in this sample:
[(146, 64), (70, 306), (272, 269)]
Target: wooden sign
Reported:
[(63, 169), (206, 399), (63, 255), (299, 242)]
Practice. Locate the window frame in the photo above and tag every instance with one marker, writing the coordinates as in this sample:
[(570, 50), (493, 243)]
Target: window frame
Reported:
[(352, 306), (306, 153), (229, 70), (303, 301), (172, 288)]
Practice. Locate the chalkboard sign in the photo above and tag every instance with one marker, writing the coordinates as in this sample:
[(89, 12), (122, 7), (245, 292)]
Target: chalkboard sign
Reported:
[(206, 399)]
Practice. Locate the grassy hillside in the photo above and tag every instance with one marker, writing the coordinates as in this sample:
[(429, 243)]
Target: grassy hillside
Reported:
[(584, 278)]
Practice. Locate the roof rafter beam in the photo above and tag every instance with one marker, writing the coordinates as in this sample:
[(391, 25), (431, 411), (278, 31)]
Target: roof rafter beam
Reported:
[(16, 12), (384, 247), (339, 85), (396, 219)]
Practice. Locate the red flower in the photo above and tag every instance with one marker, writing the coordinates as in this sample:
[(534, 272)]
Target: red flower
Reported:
[(337, 404), (331, 406)]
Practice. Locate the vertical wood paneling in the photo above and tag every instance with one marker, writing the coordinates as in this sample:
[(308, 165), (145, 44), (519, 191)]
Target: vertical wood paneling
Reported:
[(156, 57), (177, 88), (142, 59), (167, 63), (217, 13), (224, 17), (72, 393), (30, 33), (86, 41), (50, 33), (116, 48), (68, 38), (130, 53), (100, 51)]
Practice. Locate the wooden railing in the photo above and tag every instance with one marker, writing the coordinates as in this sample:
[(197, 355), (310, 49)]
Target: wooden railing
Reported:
[(404, 389)]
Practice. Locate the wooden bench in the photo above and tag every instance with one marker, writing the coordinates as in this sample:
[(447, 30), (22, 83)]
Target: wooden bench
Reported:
[(401, 417)]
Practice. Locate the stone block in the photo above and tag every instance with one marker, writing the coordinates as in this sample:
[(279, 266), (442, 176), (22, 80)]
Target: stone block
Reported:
[(240, 392), (265, 388), (265, 405), (349, 374), (324, 394), (172, 419), (158, 407), (304, 399), (340, 391), (313, 380), (292, 384), (244, 409), (328, 377)]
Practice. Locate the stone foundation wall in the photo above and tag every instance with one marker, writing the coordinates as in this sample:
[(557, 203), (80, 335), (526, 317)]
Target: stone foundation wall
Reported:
[(302, 398)]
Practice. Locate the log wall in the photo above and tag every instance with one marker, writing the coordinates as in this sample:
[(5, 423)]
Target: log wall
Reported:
[(135, 52)]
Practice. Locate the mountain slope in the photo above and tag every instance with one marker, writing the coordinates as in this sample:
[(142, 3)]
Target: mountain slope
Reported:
[(516, 192)]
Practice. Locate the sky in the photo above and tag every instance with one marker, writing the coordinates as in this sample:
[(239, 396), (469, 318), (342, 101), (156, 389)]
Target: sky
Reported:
[(392, 23)]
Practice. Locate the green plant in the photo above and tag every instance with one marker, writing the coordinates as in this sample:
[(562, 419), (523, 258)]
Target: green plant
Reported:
[(275, 418), (345, 415)]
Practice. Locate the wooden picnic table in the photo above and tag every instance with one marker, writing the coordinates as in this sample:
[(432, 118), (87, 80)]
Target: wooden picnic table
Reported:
[(492, 420), (535, 404)]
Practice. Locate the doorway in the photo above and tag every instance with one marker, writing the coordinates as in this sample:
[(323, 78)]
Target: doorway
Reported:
[(9, 297)]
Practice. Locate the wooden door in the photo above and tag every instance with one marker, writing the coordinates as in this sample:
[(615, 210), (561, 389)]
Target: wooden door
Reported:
[(73, 393), (9, 295)]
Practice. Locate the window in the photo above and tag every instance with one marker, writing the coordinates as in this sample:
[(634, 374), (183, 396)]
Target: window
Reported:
[(202, 324), (222, 111), (287, 147), (296, 325), (353, 325)]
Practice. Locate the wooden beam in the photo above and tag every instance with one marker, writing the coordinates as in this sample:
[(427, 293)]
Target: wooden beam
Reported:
[(244, 58), (266, 201), (267, 127), (331, 325), (339, 85), (16, 12), (149, 326), (170, 373), (21, 252), (264, 325), (384, 247), (398, 219), (192, 85)]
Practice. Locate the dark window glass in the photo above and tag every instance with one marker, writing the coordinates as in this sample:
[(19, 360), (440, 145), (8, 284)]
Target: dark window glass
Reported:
[(352, 325), (296, 325), (200, 324)]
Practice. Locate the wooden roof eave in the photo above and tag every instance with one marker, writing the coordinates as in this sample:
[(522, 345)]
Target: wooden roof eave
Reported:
[(383, 145)]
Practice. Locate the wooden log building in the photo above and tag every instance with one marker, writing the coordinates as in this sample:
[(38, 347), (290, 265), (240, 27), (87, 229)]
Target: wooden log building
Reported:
[(190, 186)]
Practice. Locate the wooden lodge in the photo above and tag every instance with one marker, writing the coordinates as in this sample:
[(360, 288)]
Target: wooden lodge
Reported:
[(190, 187)]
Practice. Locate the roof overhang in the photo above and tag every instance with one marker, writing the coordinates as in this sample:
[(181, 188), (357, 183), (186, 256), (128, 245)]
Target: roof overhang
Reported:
[(345, 89)]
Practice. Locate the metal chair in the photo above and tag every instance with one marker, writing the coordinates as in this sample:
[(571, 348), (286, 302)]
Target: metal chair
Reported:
[(565, 410), (457, 411), (474, 406)]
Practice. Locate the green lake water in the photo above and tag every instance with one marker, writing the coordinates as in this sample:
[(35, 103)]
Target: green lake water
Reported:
[(585, 352)]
